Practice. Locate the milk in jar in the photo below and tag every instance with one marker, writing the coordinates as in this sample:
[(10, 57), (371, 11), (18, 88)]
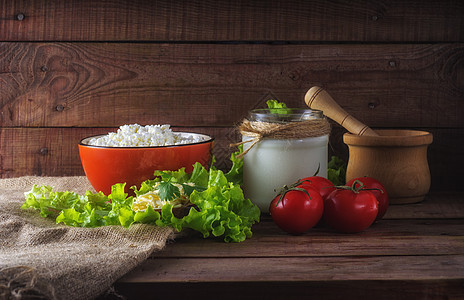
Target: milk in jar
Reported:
[(283, 158)]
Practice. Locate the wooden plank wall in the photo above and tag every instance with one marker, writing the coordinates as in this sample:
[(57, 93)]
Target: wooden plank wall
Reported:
[(69, 69)]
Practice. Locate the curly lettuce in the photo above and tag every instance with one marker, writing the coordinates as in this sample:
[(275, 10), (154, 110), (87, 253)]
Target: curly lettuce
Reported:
[(336, 170), (217, 206), (277, 107)]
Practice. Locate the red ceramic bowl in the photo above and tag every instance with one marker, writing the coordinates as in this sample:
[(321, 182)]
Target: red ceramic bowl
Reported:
[(106, 166)]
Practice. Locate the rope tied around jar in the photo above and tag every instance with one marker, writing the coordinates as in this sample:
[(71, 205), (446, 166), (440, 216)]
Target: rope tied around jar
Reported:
[(259, 130)]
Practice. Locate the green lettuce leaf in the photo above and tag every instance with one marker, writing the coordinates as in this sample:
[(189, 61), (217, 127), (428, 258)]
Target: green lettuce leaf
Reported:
[(49, 202), (121, 212), (336, 171), (88, 210), (219, 207), (235, 174), (277, 107), (149, 216), (217, 204), (199, 176)]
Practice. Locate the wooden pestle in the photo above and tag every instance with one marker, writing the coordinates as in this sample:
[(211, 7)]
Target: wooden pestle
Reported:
[(318, 98)]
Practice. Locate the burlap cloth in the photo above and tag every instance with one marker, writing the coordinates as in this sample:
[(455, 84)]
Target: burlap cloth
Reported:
[(42, 260)]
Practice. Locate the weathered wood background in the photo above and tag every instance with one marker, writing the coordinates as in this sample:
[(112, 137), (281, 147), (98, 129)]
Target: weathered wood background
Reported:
[(70, 69)]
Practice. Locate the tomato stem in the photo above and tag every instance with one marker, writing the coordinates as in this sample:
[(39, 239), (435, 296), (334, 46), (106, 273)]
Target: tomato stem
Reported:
[(356, 189), (318, 169), (285, 189)]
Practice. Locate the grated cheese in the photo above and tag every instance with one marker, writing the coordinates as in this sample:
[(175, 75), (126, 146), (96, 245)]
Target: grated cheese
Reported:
[(152, 199)]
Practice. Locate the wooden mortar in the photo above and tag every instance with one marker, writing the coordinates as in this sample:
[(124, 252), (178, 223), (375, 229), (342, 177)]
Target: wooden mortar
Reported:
[(396, 158)]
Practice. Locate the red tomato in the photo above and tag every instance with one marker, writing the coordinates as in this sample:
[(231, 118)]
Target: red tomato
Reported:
[(350, 211), (321, 184), (296, 211), (376, 188)]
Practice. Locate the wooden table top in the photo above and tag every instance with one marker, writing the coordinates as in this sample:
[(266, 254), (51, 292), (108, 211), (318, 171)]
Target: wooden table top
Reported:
[(415, 252)]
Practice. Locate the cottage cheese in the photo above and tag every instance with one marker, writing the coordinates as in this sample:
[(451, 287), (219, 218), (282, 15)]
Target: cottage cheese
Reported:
[(134, 135)]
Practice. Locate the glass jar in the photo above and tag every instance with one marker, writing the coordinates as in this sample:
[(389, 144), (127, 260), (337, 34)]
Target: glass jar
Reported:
[(272, 162)]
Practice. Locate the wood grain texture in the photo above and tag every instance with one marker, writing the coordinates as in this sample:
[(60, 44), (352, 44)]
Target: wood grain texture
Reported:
[(333, 290), (403, 256), (53, 151), (276, 20), (432, 227), (385, 238), (110, 84), (73, 68), (444, 205), (298, 269)]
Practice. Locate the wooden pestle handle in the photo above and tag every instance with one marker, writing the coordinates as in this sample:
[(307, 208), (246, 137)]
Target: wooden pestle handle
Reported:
[(318, 98)]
